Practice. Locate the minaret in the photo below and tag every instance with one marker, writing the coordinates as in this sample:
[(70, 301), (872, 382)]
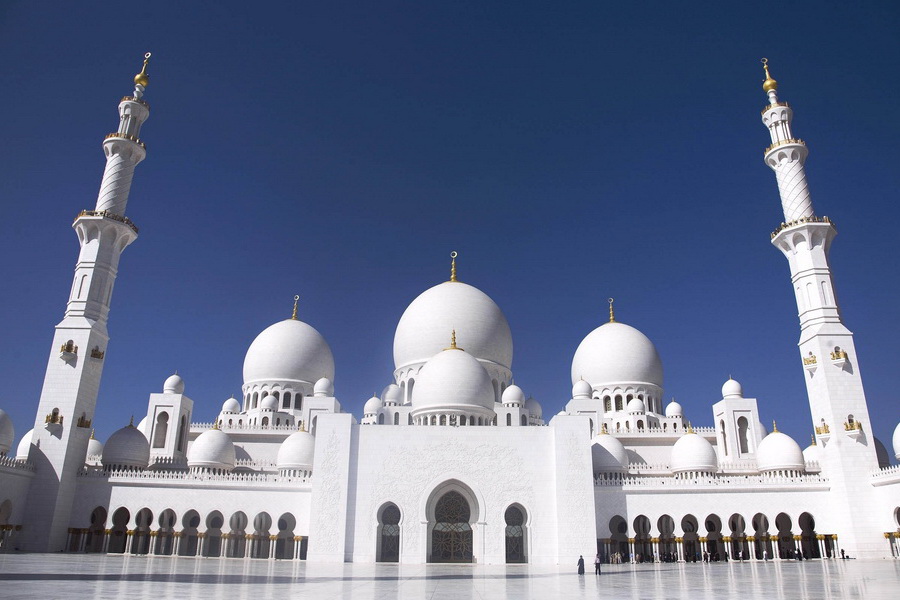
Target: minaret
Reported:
[(63, 422), (828, 355)]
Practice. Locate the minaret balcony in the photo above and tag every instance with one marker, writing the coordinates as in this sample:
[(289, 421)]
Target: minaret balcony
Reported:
[(787, 142), (812, 219), (126, 136), (810, 363), (853, 429), (839, 358), (68, 351), (108, 215)]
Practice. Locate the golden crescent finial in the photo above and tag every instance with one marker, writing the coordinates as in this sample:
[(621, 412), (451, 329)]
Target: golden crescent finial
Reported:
[(612, 316), (296, 300), (690, 428), (453, 345), (774, 426), (769, 84), (142, 78), (453, 256)]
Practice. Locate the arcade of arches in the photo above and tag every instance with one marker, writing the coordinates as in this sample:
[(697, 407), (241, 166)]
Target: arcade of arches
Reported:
[(190, 534), (714, 538)]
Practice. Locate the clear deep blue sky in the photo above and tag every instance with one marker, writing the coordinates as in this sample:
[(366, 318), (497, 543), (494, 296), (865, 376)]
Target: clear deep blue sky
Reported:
[(570, 151)]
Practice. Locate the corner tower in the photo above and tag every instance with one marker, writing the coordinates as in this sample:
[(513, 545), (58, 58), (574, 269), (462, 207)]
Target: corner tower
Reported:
[(62, 426), (828, 355)]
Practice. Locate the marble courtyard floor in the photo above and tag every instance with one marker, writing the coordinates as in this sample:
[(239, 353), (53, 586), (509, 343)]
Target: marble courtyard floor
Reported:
[(136, 577)]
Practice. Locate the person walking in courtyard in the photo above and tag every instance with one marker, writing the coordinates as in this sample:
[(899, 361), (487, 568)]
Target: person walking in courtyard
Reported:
[(597, 565), (581, 565)]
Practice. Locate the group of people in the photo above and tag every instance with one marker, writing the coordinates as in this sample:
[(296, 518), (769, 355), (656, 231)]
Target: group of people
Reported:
[(597, 562)]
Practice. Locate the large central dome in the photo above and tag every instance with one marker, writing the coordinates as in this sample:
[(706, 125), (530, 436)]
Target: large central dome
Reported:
[(426, 324), (289, 350), (617, 353)]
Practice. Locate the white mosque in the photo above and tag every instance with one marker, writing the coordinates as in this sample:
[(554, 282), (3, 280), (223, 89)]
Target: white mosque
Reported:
[(284, 473)]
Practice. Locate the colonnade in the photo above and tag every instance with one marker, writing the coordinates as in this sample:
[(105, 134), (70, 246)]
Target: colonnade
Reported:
[(230, 545)]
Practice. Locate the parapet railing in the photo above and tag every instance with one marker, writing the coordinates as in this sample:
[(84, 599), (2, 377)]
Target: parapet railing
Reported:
[(224, 426), (10, 462), (812, 219), (245, 478), (705, 480), (108, 215)]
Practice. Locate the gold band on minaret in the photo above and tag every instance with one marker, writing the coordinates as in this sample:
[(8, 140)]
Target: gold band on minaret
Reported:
[(612, 316), (769, 84), (453, 256), (296, 300), (142, 78)]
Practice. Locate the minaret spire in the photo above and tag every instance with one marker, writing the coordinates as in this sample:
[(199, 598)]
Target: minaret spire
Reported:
[(786, 155), (75, 366)]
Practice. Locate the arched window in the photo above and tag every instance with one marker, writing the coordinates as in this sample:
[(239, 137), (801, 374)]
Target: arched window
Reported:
[(524, 420), (161, 430), (724, 437), (607, 403), (265, 422), (462, 420), (508, 419), (286, 401), (443, 419), (381, 419), (298, 400), (618, 402), (396, 418), (182, 438), (743, 425)]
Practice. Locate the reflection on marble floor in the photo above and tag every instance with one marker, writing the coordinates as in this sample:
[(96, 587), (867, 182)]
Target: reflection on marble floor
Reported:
[(94, 576)]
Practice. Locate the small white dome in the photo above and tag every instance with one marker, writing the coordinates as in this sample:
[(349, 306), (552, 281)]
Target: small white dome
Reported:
[(896, 441), (323, 387), (635, 405), (372, 405), (7, 432), (94, 449), (127, 447), (617, 353), (884, 459), (693, 453), (296, 452), (270, 402), (513, 395), (581, 389), (24, 446), (289, 350), (454, 379), (778, 451), (673, 409), (732, 389), (534, 408), (392, 394), (231, 406), (608, 454), (213, 449), (173, 385), (812, 453), (426, 323)]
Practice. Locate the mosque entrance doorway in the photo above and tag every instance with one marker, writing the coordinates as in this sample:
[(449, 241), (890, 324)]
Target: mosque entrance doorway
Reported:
[(389, 526), (451, 536), (515, 535)]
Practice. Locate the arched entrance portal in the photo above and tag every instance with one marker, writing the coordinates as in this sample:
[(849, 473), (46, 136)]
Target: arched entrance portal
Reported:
[(451, 535)]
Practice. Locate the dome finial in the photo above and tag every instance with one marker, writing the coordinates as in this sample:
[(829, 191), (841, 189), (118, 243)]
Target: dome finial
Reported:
[(813, 439), (142, 79), (131, 422), (690, 428), (774, 426), (296, 300), (215, 424), (302, 428), (92, 435), (612, 316), (453, 345), (769, 85), (453, 256)]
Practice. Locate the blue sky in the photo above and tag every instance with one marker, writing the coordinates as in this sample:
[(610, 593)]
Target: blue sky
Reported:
[(569, 151)]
